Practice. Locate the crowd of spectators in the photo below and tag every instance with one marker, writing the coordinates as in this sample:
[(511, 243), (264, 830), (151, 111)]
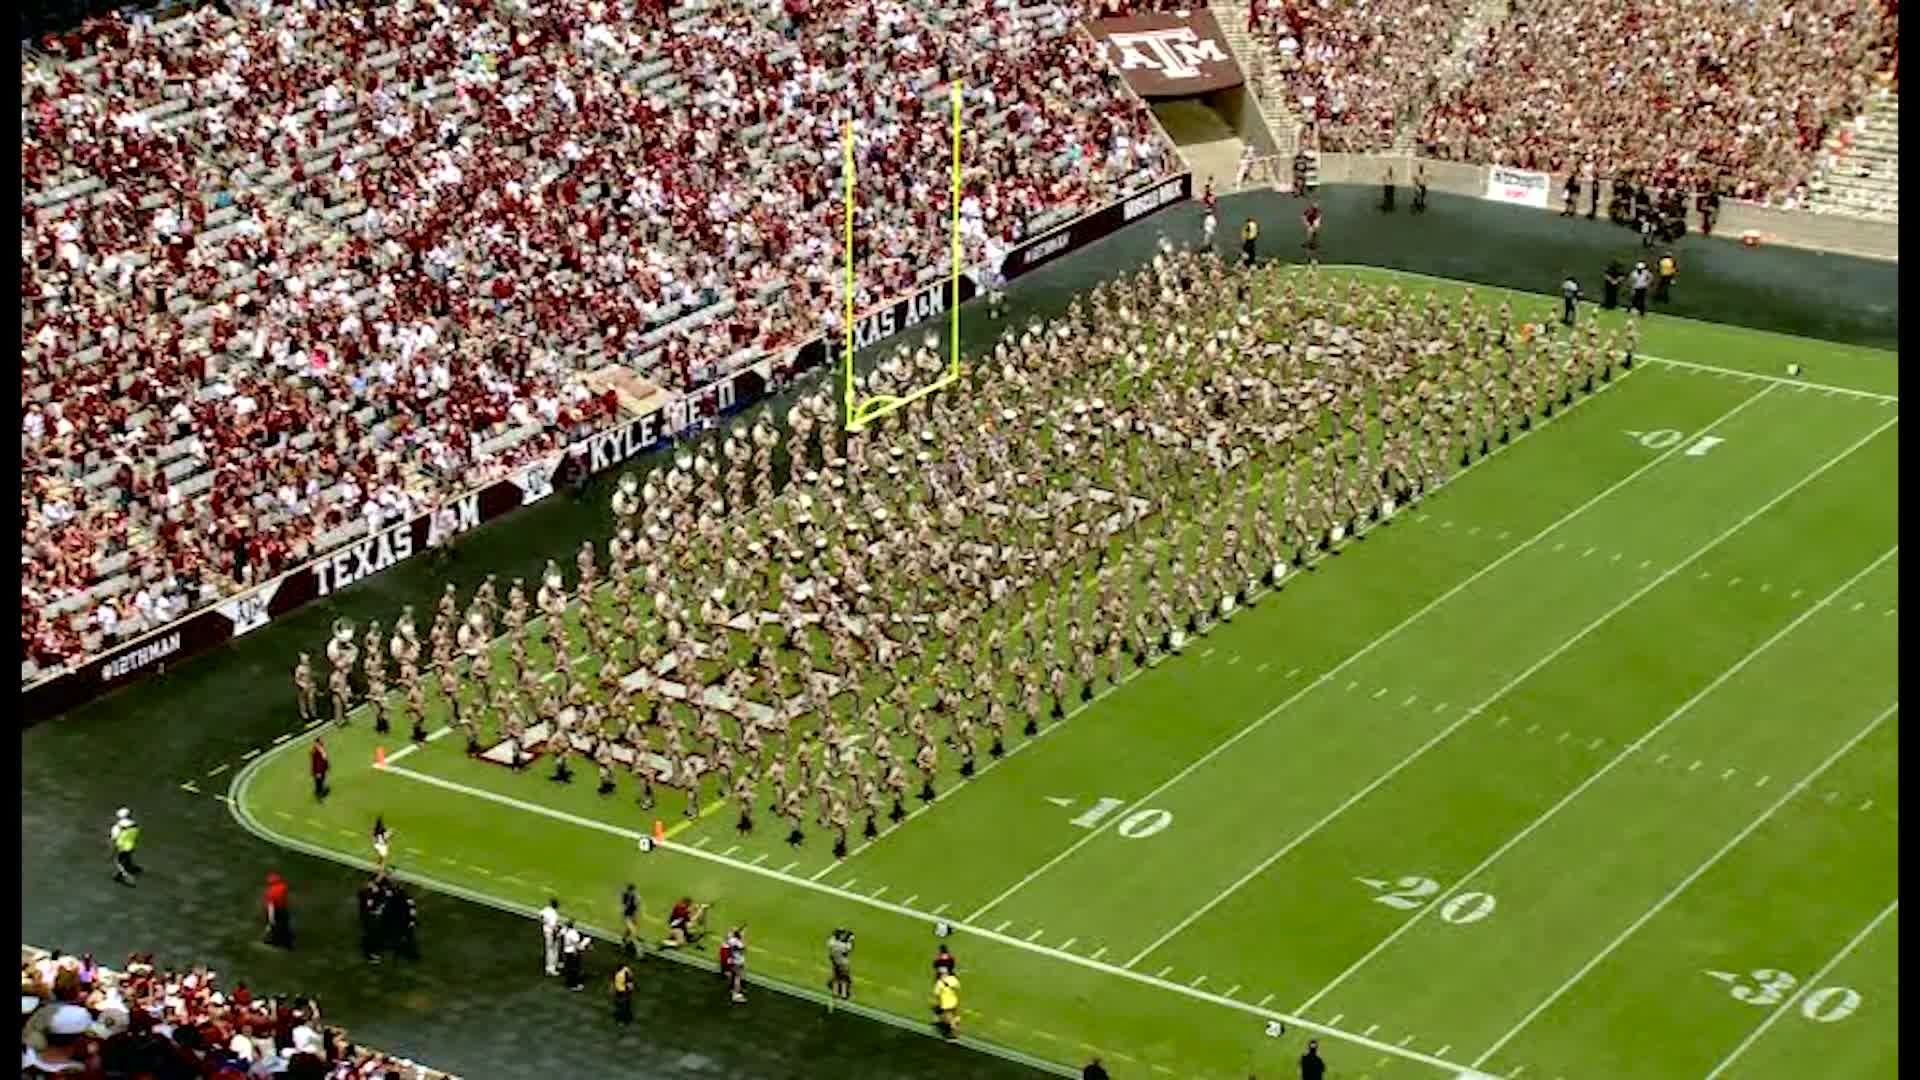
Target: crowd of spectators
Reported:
[(80, 1021), (1690, 92), (298, 272)]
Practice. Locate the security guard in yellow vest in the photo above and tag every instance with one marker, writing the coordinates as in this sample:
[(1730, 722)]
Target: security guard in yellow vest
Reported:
[(1249, 233), (946, 1004), (123, 838), (623, 995), (1669, 269)]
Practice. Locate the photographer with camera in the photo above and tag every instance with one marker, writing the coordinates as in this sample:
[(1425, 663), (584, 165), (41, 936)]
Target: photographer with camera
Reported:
[(840, 959)]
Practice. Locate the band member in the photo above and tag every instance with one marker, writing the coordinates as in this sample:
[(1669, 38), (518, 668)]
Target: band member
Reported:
[(303, 687)]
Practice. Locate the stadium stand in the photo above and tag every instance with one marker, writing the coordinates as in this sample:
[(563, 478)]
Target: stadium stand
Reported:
[(1691, 93), (296, 272), (82, 1021)]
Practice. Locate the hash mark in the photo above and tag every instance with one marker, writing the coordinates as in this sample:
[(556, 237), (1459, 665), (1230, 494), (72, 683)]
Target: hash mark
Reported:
[(1099, 952), (1195, 984), (1795, 595), (1561, 546), (730, 851), (1662, 759), (758, 859), (1475, 531), (1234, 659), (1207, 653), (1616, 557), (1595, 744), (1734, 582), (1003, 926), (1263, 1002), (1442, 1052), (1564, 736), (1832, 797), (1406, 1040), (1766, 586), (788, 867), (1705, 574), (1380, 693), (1336, 1020), (1503, 535), (1235, 990), (218, 770), (1411, 698), (1728, 775), (1531, 728), (1292, 673), (1446, 524), (908, 902), (1644, 563), (1163, 972), (940, 909), (1068, 944), (1501, 722), (1352, 686), (1694, 766), (1035, 934), (1440, 707), (875, 895), (1866, 805), (1762, 782), (1857, 605), (702, 842), (1588, 552), (1371, 1029), (850, 883), (1264, 666)]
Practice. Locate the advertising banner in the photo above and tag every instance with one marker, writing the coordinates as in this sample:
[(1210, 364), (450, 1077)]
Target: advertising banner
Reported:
[(1169, 54)]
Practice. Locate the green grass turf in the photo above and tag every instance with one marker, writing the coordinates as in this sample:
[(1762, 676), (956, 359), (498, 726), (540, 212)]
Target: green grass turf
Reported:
[(1492, 707)]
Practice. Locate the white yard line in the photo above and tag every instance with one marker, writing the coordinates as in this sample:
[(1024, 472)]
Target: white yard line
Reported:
[(1497, 695), (1364, 650), (1754, 1036), (1631, 749), (1661, 904), (1777, 380), (868, 901)]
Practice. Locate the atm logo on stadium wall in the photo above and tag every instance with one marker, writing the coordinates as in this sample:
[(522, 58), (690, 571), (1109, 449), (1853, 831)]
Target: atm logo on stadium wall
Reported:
[(1172, 54)]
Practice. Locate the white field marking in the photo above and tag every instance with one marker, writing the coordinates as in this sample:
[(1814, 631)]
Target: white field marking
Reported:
[(1208, 652), (1501, 721), (1627, 751), (314, 723), (1068, 944), (1533, 727), (1003, 926), (1234, 659), (1762, 782), (703, 841), (1099, 952), (875, 894), (1857, 605), (1564, 736), (480, 870), (1196, 983), (1776, 380), (1503, 534), (1234, 989), (1371, 1028), (1368, 648), (1263, 1002), (1411, 698), (1705, 574), (940, 909), (1588, 552), (1695, 766), (1766, 586), (1794, 999), (1337, 1018), (1264, 665), (782, 870), (1868, 805), (218, 769), (1440, 707), (1595, 744), (1406, 1040), (1832, 797), (249, 755), (1734, 582), (441, 734), (1616, 557), (1352, 686), (1795, 595), (1448, 524), (1662, 759), (909, 900), (731, 850), (1559, 547), (1660, 905), (1444, 1049), (1035, 936), (401, 753), (278, 739), (1475, 531), (1296, 671), (850, 883), (1728, 775), (1644, 563), (758, 859), (1380, 693), (1163, 972), (188, 787)]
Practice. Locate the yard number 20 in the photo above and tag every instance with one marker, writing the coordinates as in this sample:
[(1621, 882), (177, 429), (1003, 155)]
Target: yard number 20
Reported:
[(1460, 909)]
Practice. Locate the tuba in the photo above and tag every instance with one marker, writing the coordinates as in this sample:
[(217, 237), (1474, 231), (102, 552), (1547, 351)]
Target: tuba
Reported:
[(472, 635), (340, 649), (626, 497)]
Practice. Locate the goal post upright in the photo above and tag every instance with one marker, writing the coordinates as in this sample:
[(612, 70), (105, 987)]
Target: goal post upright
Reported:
[(861, 412)]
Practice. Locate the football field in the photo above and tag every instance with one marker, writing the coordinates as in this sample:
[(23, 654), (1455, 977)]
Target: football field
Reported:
[(1583, 765)]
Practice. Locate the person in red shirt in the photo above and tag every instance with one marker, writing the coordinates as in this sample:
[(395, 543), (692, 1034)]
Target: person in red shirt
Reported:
[(317, 759), (279, 916)]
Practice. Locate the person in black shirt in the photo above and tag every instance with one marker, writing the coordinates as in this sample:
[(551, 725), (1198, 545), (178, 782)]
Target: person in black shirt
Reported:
[(630, 920), (1570, 195), (370, 900), (1616, 276), (1386, 191), (1570, 299), (1593, 197), (1094, 1071), (1620, 205), (1709, 204), (1419, 189), (400, 919), (1311, 1067)]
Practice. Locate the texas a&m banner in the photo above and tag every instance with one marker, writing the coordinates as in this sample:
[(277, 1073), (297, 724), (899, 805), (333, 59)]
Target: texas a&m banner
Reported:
[(1169, 54)]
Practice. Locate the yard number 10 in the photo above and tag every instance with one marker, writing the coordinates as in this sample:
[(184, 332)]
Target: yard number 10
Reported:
[(1135, 826)]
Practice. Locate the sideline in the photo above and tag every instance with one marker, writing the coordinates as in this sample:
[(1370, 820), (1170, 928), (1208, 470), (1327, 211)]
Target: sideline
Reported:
[(1695, 365), (236, 804)]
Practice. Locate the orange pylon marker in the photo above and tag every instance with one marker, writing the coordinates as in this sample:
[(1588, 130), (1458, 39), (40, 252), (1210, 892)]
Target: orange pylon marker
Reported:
[(659, 832), (379, 757)]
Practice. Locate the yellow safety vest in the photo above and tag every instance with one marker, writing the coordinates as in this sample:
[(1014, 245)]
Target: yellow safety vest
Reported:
[(947, 990), (1250, 231), (126, 838)]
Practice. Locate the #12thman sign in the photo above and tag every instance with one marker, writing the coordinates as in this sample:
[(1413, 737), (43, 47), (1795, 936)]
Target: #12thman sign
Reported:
[(1170, 54)]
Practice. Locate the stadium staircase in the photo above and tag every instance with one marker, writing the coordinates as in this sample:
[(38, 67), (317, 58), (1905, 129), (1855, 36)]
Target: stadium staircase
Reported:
[(1861, 173), (1263, 68)]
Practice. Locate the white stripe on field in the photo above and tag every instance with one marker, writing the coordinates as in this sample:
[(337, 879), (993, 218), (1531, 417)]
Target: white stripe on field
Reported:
[(1364, 650), (1672, 894)]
